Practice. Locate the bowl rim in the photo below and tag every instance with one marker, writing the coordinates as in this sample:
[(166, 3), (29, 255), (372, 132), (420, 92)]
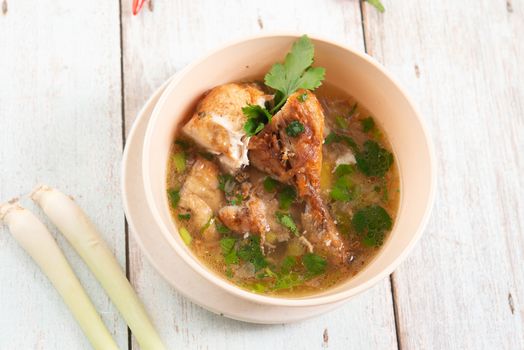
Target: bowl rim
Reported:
[(270, 300)]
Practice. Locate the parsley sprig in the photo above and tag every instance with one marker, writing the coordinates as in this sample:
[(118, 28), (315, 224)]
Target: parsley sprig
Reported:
[(295, 73), (257, 118), (286, 78)]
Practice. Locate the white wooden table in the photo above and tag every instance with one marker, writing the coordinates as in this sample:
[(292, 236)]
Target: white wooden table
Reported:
[(74, 74)]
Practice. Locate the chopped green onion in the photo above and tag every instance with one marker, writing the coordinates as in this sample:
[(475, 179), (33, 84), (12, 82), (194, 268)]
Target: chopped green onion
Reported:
[(341, 122), (186, 236), (179, 160), (208, 223)]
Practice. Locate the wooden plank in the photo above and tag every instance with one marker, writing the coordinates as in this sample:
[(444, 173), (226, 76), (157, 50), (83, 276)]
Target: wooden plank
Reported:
[(463, 286), (157, 44), (60, 117)]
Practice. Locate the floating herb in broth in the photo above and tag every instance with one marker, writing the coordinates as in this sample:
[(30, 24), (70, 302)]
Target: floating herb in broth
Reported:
[(256, 227)]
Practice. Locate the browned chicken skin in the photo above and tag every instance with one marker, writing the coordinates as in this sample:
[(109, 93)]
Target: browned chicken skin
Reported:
[(298, 161)]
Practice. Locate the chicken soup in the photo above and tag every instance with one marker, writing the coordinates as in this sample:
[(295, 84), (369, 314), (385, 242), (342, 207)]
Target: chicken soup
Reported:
[(285, 187)]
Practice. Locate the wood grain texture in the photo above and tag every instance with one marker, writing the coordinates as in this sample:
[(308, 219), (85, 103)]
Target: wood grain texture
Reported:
[(60, 123), (463, 286), (156, 45)]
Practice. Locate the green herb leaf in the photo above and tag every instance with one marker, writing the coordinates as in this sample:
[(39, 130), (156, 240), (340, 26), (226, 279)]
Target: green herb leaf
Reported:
[(344, 169), (288, 281), (377, 4), (371, 222), (287, 197), (236, 200), (257, 118), (315, 264), (367, 124), (295, 128), (226, 183), (270, 184), (295, 73), (227, 246), (179, 160), (374, 160), (302, 97), (174, 197), (229, 272), (221, 228), (185, 235), (251, 252), (287, 221), (184, 144), (186, 216), (287, 264), (342, 190), (206, 155), (337, 138)]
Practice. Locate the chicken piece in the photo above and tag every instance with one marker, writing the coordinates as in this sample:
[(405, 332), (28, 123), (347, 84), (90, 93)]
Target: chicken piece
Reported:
[(249, 217), (218, 122), (200, 196), (297, 160)]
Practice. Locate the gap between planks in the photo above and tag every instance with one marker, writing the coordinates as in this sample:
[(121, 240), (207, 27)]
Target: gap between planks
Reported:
[(123, 121), (363, 20)]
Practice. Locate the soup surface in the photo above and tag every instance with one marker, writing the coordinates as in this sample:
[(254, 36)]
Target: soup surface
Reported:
[(281, 190)]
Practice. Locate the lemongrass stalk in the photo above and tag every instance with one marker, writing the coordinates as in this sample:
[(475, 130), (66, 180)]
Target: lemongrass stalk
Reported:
[(85, 239), (34, 237)]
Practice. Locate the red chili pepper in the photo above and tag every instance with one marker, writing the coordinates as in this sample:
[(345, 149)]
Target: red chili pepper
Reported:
[(137, 6)]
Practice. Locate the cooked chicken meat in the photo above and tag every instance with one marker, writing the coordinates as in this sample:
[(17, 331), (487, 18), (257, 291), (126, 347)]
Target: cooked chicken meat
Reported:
[(201, 197), (218, 122), (297, 160), (248, 217)]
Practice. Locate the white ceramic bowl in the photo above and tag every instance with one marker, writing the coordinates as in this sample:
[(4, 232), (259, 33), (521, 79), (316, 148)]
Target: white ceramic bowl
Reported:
[(357, 74)]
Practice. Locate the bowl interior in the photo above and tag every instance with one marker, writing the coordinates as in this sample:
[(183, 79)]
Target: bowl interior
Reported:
[(354, 73)]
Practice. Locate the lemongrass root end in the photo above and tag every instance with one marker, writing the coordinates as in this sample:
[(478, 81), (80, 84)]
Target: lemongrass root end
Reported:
[(37, 192), (7, 207)]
